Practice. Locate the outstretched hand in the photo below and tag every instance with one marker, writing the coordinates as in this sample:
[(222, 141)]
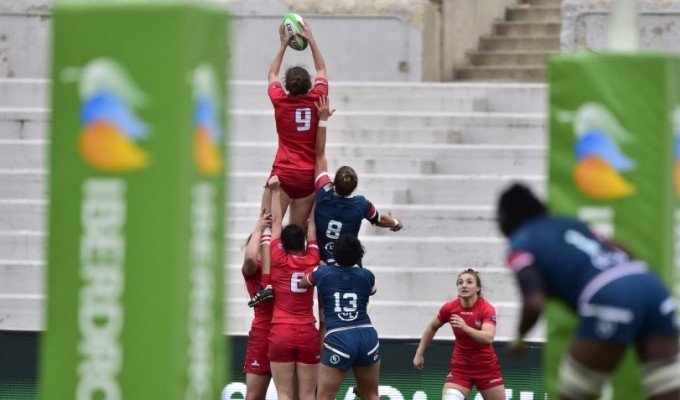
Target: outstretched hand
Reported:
[(306, 31), (264, 221), (283, 37), (398, 226), (323, 108), (516, 348), (418, 361), (273, 182)]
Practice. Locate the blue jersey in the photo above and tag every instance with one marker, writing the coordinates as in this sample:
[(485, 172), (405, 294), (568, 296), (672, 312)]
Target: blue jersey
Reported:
[(568, 255), (335, 216), (344, 292)]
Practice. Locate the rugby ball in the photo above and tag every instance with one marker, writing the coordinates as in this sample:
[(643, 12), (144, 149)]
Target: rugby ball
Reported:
[(292, 25)]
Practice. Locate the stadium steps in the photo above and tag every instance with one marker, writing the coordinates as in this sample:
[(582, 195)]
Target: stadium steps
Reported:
[(436, 161), (518, 47), (419, 219)]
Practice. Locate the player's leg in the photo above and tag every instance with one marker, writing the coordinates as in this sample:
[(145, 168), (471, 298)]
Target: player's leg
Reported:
[(283, 374), (266, 205), (256, 366), (256, 386), (453, 391), (458, 385), (494, 393), (367, 364), (658, 348), (491, 385), (300, 209), (660, 366), (308, 354), (281, 354), (367, 381), (307, 377), (587, 366)]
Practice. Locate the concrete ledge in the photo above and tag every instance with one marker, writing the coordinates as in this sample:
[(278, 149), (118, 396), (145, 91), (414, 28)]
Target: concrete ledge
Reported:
[(585, 25)]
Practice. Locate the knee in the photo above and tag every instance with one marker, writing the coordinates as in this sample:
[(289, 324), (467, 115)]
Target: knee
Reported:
[(660, 377), (452, 394), (576, 381)]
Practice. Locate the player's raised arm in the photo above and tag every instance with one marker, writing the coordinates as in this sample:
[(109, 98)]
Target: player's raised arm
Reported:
[(253, 247), (277, 211), (319, 63), (391, 222), (324, 112), (275, 67)]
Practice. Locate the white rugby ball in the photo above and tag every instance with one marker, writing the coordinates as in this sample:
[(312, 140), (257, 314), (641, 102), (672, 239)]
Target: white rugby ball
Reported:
[(292, 25)]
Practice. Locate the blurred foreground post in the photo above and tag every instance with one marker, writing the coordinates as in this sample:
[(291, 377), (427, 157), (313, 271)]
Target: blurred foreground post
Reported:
[(136, 225), (613, 163)]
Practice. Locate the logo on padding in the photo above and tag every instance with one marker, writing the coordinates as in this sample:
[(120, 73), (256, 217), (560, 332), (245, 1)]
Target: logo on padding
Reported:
[(601, 164), (208, 135), (110, 127)]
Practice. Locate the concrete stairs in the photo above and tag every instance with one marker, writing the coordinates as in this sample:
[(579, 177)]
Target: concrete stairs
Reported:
[(520, 45), (435, 155)]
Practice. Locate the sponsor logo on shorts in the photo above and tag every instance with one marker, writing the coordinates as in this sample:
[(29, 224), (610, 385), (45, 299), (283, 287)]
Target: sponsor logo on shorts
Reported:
[(496, 380), (605, 329), (335, 359), (255, 364)]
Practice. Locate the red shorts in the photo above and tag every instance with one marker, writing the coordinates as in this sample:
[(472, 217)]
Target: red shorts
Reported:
[(297, 184), (482, 379), (294, 343), (256, 361)]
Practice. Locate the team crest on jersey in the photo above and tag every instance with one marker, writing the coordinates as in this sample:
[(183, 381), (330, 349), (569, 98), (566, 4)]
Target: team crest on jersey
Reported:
[(280, 246), (478, 324), (275, 85)]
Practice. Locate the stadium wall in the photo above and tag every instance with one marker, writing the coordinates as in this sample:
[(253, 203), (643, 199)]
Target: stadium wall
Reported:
[(385, 40), (585, 25), (398, 380)]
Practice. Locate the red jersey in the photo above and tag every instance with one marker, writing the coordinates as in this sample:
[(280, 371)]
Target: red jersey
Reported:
[(467, 353), (296, 124), (263, 312), (292, 304)]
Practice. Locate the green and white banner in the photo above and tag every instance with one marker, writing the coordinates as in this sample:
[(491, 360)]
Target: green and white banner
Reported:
[(613, 162), (136, 217)]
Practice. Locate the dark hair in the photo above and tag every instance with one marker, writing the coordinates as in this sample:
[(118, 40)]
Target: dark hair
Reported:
[(516, 205), (345, 181), (347, 250), (298, 81), (476, 275), (293, 238)]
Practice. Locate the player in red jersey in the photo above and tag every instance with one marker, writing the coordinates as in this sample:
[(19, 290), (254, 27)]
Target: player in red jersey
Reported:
[(294, 347), (256, 366), (296, 126), (473, 361)]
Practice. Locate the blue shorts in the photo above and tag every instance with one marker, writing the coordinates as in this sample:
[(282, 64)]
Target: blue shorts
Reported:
[(627, 309), (356, 346)]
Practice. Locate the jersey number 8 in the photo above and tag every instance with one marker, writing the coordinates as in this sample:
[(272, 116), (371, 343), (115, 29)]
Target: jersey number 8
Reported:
[(333, 230)]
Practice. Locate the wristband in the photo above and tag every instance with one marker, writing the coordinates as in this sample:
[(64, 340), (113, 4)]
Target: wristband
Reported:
[(322, 123)]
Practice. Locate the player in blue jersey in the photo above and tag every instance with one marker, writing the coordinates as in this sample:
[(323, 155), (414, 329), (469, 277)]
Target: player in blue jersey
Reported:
[(619, 301), (336, 210), (350, 340)]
